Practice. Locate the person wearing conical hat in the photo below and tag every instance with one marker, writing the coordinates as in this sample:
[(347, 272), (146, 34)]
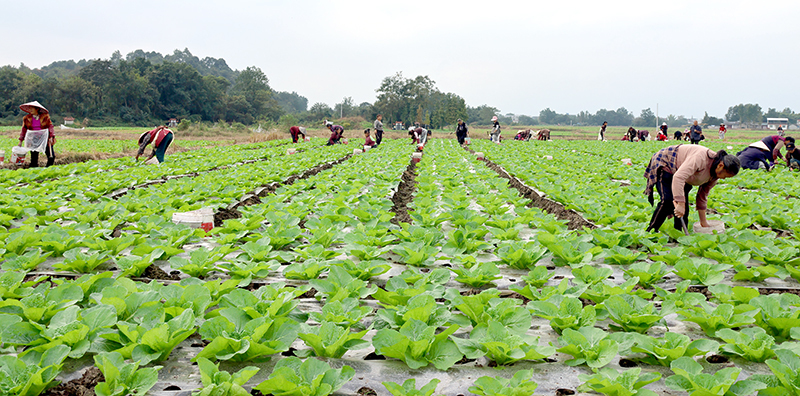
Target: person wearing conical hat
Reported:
[(33, 134), (296, 131), (494, 135)]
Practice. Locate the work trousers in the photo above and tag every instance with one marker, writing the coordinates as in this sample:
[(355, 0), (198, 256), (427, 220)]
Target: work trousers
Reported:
[(48, 151), (666, 207), (378, 136)]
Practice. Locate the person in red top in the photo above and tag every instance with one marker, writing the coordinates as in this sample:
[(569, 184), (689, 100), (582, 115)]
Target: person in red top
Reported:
[(37, 121), (161, 138), (296, 131), (368, 139), (337, 131), (722, 131)]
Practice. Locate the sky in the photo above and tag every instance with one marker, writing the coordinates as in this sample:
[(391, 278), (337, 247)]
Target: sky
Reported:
[(682, 57)]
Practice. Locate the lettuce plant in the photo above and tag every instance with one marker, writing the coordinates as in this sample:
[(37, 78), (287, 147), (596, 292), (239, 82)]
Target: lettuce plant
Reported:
[(43, 302), (422, 307), (757, 273), (700, 270), (750, 343), (398, 290), (500, 345), (236, 337), (588, 345), (672, 256), (418, 345), (679, 299), (648, 273), (622, 256), (113, 246), (25, 262), (487, 306), (223, 383), (258, 250), (735, 295), (77, 261), (305, 270), (564, 312), (200, 262), (273, 301), (311, 377), (574, 252), (132, 265), (662, 351), (521, 384), (154, 339), (409, 388), (727, 253), (589, 275), (123, 378), (520, 255), (330, 340), (779, 314), (31, 374), (346, 312), (689, 377), (564, 288), (477, 276), (340, 285), (631, 313), (365, 270), (416, 253), (785, 378), (610, 382), (723, 316), (538, 276), (601, 291), (243, 269)]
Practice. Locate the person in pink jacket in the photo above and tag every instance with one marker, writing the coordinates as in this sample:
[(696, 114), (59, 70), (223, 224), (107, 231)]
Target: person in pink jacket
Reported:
[(674, 170), (38, 120)]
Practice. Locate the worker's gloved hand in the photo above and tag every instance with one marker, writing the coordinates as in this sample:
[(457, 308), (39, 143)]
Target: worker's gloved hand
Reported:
[(680, 209)]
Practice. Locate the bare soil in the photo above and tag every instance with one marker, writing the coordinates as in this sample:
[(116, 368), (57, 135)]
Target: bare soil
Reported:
[(404, 195), (83, 386)]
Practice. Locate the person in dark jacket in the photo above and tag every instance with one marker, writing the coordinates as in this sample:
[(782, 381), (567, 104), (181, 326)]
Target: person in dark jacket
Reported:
[(763, 153), (603, 131), (792, 155), (696, 133), (378, 125), (664, 128), (461, 131), (678, 135), (631, 134)]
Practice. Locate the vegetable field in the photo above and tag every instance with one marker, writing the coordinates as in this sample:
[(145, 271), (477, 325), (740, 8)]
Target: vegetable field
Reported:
[(329, 272)]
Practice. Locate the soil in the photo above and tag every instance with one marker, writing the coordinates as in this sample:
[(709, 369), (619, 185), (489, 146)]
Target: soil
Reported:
[(464, 360), (153, 272), (404, 195), (374, 356), (364, 391), (225, 214), (761, 290), (627, 363), (717, 359), (564, 392), (83, 386)]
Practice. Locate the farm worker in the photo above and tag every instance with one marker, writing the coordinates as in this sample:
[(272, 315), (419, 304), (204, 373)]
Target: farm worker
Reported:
[(368, 140), (631, 134), (644, 135), (461, 131), (780, 130), (37, 133), (161, 138), (763, 153), (792, 155), (544, 134), (696, 133), (378, 125), (664, 129), (722, 131), (678, 135), (602, 135), (674, 170), (296, 131), (661, 137), (336, 133), (421, 135), (494, 135)]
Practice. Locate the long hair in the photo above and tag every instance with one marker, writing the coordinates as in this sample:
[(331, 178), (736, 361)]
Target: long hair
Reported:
[(44, 119), (729, 162)]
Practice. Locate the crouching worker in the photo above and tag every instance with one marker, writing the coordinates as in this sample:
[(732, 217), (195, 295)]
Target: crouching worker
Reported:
[(792, 155), (674, 170), (337, 131), (161, 138), (368, 139), (296, 131)]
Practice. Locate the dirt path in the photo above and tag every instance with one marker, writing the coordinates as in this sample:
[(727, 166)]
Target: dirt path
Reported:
[(404, 195)]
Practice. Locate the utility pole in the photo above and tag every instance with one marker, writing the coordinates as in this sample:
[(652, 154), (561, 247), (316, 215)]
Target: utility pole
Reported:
[(657, 116)]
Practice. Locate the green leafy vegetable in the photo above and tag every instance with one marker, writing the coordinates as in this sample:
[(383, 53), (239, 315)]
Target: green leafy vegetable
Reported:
[(293, 377)]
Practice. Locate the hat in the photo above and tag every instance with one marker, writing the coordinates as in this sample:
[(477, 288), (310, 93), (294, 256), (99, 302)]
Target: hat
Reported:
[(411, 129), (494, 118), (302, 130), (665, 124), (27, 107), (790, 146), (328, 123)]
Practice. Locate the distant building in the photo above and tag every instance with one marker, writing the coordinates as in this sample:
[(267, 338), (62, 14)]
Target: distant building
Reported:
[(69, 121), (172, 123), (398, 126), (774, 123)]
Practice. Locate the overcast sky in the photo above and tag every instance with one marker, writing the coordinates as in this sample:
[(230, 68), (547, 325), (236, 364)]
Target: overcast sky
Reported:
[(519, 56)]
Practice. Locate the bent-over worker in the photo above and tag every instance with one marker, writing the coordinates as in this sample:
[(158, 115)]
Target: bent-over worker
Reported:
[(337, 131), (674, 170), (368, 139), (161, 138), (461, 131), (296, 131)]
